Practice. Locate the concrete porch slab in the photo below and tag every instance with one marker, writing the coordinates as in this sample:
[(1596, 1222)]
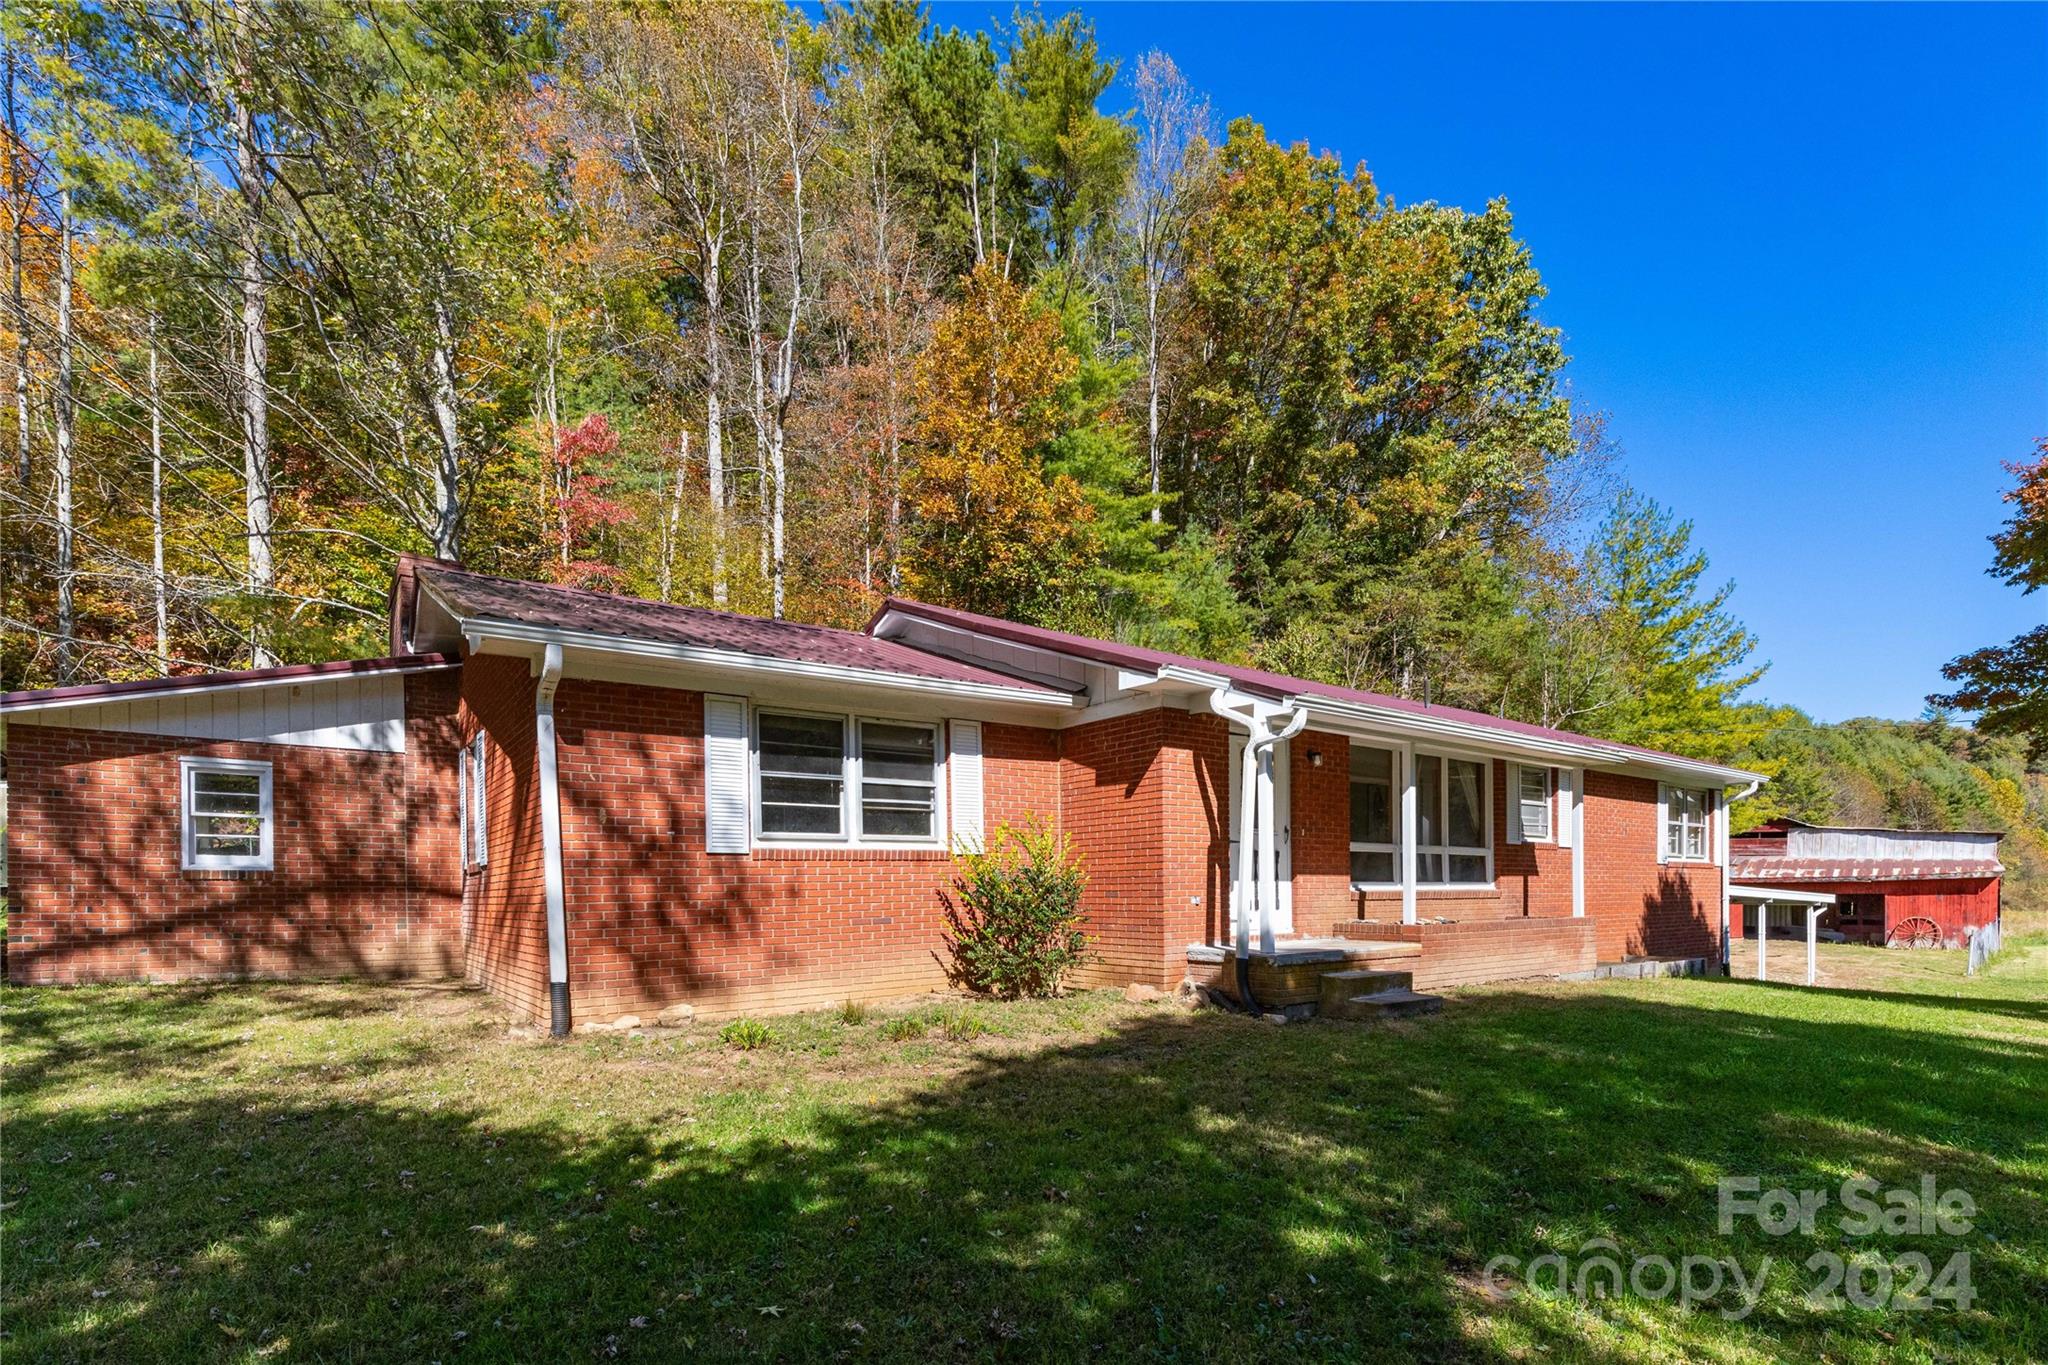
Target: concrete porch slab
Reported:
[(1305, 952)]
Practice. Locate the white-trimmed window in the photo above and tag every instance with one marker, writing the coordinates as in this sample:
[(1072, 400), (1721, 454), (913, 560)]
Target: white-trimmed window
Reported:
[(1685, 824), (837, 779), (1375, 817), (226, 822), (1532, 803), (899, 780), (1453, 813), (801, 788), (479, 804)]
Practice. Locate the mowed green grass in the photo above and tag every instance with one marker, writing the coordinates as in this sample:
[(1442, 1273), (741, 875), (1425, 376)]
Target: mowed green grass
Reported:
[(360, 1172)]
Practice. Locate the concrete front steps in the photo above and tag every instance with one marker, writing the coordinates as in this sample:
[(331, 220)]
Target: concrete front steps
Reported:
[(1366, 993), (1331, 977)]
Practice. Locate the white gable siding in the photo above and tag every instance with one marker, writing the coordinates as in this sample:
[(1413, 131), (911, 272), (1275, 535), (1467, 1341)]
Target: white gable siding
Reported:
[(315, 713)]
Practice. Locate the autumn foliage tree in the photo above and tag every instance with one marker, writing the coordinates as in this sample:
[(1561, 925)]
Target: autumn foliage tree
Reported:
[(995, 532)]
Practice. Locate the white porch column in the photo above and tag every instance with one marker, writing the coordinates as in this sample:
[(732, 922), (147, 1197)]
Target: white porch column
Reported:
[(1812, 939), (1408, 860), (1268, 849), (1725, 918), (1763, 936), (1247, 848)]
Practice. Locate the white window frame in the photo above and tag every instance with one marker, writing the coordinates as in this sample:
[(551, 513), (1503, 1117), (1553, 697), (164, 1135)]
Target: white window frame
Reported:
[(851, 833), (479, 798), (1397, 773), (1547, 802), (1676, 824), (190, 858), (1448, 851), (856, 788)]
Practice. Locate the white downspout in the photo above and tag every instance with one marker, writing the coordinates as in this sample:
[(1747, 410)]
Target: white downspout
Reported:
[(551, 840)]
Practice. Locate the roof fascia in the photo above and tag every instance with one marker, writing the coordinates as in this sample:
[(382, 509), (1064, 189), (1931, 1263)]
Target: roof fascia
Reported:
[(203, 683), (479, 629)]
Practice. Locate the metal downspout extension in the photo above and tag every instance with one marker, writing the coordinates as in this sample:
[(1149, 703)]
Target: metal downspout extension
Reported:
[(551, 840), (1259, 739)]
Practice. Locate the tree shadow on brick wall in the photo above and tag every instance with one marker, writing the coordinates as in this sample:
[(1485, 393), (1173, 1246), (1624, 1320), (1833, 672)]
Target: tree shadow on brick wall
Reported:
[(1179, 1187), (1680, 922), (327, 908)]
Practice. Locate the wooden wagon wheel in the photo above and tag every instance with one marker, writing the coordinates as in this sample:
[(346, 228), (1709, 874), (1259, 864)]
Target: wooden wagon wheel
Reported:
[(1915, 931)]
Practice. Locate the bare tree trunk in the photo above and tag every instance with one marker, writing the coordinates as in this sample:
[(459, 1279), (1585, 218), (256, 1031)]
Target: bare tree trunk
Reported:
[(714, 416), (255, 352), (672, 523), (158, 586), (67, 611), (17, 188), (448, 464), (1152, 386), (558, 474)]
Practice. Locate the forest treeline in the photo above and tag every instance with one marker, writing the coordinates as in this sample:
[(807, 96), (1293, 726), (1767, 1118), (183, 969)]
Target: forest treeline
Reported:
[(745, 306)]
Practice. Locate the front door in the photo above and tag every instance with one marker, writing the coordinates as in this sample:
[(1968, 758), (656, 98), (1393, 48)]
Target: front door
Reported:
[(1283, 915)]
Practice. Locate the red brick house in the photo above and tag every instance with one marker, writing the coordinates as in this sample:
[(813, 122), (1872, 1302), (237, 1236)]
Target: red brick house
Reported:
[(1890, 885), (595, 805)]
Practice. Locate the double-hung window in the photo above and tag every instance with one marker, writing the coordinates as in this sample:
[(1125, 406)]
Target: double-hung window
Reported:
[(899, 780), (841, 779), (1685, 823), (1375, 818), (1451, 814), (227, 823), (803, 776)]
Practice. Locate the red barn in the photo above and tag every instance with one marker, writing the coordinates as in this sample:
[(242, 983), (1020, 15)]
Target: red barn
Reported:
[(1900, 886)]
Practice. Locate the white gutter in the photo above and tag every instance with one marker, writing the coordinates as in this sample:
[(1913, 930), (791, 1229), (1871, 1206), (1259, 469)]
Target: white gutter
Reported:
[(551, 839)]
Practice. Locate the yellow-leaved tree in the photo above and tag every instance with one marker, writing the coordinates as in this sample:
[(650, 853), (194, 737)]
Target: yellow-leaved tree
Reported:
[(993, 531)]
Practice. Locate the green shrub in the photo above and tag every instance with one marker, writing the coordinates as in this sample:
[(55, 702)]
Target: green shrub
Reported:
[(1013, 920), (853, 1012), (746, 1034)]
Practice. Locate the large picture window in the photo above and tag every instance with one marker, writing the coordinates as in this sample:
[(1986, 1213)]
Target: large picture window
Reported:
[(227, 823), (1451, 812), (845, 779), (1685, 823), (1375, 852)]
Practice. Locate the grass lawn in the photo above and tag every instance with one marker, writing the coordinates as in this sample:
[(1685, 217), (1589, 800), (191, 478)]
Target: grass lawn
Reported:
[(355, 1172)]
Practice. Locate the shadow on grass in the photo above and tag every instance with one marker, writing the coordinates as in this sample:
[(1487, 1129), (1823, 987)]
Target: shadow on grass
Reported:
[(1181, 1187)]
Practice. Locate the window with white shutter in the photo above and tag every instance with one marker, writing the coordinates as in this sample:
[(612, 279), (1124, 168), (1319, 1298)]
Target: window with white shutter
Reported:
[(964, 778), (725, 775), (1532, 803)]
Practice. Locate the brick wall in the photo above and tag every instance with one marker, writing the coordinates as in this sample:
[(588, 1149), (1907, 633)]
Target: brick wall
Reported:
[(505, 899), (655, 919), (362, 880), (1643, 908), (1468, 952)]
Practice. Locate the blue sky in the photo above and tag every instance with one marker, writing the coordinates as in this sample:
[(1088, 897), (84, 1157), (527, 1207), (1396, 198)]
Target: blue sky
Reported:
[(1799, 254)]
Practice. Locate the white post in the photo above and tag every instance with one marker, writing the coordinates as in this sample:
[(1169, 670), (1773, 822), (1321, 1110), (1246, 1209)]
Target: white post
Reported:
[(1812, 940), (1763, 936), (1408, 859), (1724, 934), (1247, 846), (1269, 850)]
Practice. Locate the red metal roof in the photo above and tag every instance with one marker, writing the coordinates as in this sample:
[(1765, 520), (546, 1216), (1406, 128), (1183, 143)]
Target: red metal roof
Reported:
[(187, 682), (1774, 870), (1277, 685), (551, 606)]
